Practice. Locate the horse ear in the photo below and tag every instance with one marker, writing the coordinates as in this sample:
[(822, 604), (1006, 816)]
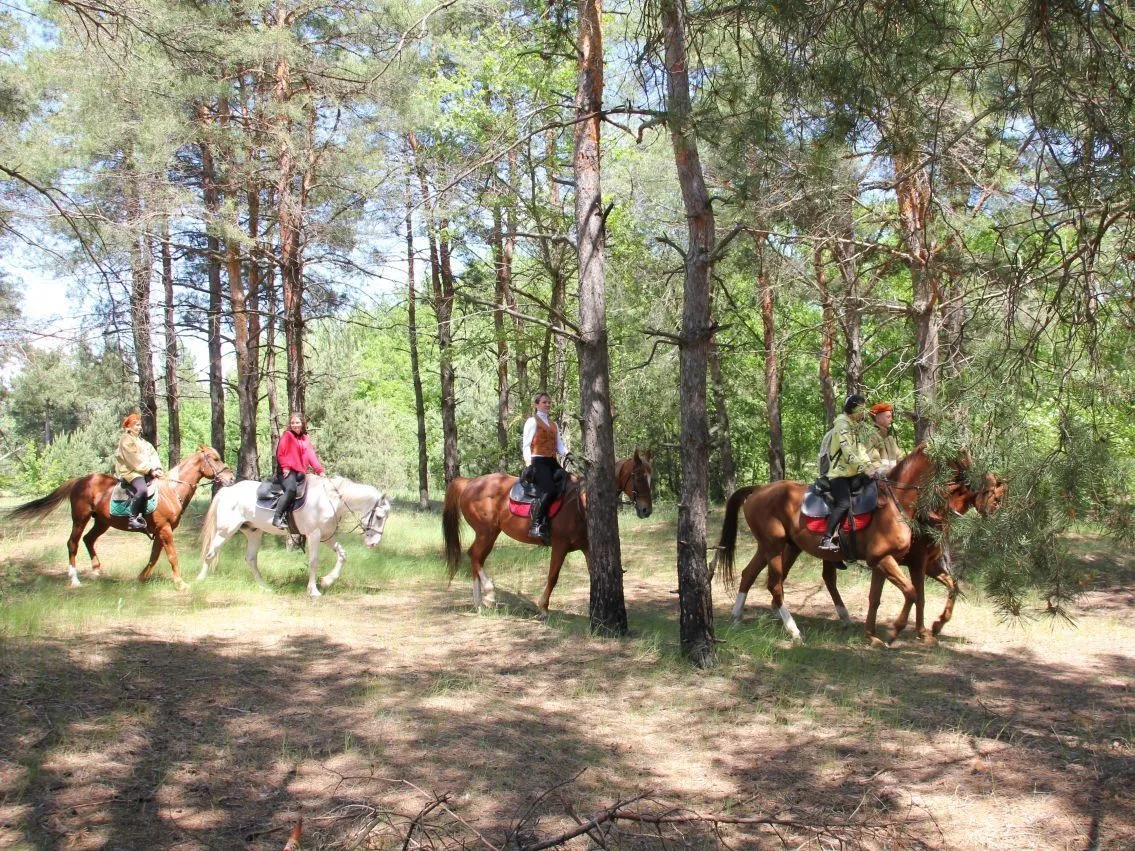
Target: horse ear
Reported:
[(201, 447), (637, 458)]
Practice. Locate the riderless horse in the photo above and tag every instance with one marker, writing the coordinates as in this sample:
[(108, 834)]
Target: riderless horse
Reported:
[(484, 503), (773, 513), (91, 497), (326, 504)]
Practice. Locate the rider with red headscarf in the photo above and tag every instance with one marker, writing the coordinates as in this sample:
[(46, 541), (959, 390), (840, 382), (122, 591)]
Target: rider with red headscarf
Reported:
[(881, 444), (136, 462)]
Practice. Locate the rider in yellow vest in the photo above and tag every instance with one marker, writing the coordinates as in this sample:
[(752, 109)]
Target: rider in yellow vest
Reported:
[(881, 444), (849, 460), (136, 462), (540, 443)]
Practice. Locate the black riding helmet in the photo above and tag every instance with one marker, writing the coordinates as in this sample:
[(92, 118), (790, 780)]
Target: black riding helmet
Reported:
[(852, 402)]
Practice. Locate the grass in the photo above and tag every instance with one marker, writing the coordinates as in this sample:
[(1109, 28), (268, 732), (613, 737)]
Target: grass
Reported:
[(396, 677)]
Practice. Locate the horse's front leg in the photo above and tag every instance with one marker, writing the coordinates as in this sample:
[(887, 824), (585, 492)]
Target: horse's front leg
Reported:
[(888, 569), (329, 580), (559, 552), (312, 565)]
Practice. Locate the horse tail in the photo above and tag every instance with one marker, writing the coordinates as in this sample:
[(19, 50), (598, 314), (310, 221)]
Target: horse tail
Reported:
[(727, 543), (451, 524), (39, 508), (209, 528)]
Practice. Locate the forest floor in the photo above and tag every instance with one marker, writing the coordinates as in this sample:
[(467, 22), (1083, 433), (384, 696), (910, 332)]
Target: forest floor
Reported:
[(138, 717)]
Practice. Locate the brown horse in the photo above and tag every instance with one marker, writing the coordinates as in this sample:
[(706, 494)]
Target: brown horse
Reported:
[(927, 558), (483, 502), (90, 497), (773, 514)]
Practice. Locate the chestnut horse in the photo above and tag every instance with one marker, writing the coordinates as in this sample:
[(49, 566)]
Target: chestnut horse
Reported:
[(483, 502), (90, 497), (773, 514)]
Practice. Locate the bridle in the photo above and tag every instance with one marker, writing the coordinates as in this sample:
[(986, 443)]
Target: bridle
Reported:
[(366, 523), (213, 473), (631, 479)]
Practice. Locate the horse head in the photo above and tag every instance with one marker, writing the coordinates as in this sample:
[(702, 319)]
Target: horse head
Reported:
[(374, 521), (961, 496), (211, 466), (991, 496), (639, 484)]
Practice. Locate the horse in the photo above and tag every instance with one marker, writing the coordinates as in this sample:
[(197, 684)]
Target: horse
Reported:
[(90, 497), (774, 517), (327, 502), (483, 502)]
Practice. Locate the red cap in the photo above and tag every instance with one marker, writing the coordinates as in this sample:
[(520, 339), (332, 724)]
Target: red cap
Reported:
[(131, 419), (880, 407)]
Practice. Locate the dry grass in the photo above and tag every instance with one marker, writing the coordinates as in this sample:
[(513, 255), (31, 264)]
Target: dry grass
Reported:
[(139, 717)]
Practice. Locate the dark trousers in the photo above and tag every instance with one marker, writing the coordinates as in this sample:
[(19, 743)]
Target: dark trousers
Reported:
[(841, 502), (138, 503), (546, 479), (291, 483)]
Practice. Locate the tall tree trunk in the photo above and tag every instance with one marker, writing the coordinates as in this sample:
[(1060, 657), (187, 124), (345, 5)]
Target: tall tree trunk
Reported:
[(443, 297), (274, 418), (850, 313), (608, 611), (213, 247), (496, 240), (915, 210), (290, 222), (247, 466), (415, 369), (553, 355), (827, 338), (141, 269), (721, 411), (772, 369), (441, 279), (695, 593), (173, 391)]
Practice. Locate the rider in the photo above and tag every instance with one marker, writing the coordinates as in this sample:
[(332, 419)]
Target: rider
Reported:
[(294, 454), (136, 462), (849, 460), (881, 444), (540, 443)]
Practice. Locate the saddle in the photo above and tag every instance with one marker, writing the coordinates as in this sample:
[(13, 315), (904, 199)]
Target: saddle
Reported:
[(818, 505), (523, 494), (122, 499), (270, 490)]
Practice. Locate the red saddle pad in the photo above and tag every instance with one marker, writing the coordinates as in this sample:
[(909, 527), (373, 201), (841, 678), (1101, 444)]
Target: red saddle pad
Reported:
[(819, 524), (524, 509)]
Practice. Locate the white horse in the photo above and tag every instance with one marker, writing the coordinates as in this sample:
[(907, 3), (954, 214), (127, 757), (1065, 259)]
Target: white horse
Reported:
[(328, 503)]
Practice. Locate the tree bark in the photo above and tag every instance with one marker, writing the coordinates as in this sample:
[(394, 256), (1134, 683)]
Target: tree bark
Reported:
[(827, 338), (213, 247), (415, 369), (850, 313), (695, 593), (772, 370), (173, 390), (274, 419), (441, 278), (608, 612), (724, 437), (496, 241), (915, 210), (141, 269)]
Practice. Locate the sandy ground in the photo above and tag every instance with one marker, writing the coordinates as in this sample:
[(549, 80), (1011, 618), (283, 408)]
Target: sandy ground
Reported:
[(217, 723)]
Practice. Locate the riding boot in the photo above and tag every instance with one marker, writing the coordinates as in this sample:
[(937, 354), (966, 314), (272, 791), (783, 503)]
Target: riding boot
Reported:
[(539, 522), (137, 521), (827, 544)]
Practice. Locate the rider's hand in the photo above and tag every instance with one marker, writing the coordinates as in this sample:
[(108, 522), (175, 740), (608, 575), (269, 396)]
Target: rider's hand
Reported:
[(157, 472)]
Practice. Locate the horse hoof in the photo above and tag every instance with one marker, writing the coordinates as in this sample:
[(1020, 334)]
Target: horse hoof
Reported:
[(75, 583), (877, 642), (325, 582), (928, 639), (313, 593), (542, 615), (797, 640), (181, 585)]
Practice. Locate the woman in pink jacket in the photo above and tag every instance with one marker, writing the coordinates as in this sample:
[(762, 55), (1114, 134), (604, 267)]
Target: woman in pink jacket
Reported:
[(294, 454)]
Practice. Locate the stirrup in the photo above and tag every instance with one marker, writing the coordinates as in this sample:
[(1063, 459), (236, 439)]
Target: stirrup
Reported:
[(136, 523), (279, 522), (828, 545)]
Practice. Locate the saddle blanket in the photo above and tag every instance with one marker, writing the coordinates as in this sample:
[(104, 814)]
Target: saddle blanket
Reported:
[(520, 501), (524, 509), (819, 524), (122, 499)]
